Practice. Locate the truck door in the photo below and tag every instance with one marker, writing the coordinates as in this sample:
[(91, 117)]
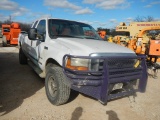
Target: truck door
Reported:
[(26, 41), (37, 46)]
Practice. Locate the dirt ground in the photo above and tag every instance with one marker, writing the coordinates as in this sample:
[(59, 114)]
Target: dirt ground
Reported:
[(22, 97)]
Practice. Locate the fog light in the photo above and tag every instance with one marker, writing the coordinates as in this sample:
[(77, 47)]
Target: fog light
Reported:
[(117, 86)]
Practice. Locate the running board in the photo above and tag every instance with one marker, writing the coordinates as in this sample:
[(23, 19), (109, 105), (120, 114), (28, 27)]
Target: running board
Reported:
[(37, 69)]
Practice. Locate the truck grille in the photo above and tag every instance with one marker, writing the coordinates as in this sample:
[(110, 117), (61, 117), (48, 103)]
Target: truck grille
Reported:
[(116, 67), (121, 63), (120, 67), (113, 64)]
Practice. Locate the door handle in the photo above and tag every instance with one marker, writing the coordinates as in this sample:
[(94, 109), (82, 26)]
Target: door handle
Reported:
[(45, 47)]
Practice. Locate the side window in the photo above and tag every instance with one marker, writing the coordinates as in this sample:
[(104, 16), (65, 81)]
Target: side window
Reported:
[(41, 28)]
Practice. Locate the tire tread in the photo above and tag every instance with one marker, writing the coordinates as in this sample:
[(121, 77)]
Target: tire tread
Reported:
[(22, 57), (64, 90)]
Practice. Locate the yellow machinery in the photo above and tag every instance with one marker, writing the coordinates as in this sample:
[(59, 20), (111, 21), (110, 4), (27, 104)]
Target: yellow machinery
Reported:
[(140, 42), (102, 34), (135, 27), (110, 39), (138, 37)]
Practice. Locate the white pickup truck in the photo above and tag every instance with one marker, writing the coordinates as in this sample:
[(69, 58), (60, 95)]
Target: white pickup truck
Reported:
[(71, 55)]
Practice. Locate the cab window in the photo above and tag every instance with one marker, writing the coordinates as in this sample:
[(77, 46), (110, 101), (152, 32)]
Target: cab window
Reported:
[(34, 24), (41, 28)]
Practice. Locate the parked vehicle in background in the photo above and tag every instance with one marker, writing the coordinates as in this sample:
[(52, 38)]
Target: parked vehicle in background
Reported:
[(71, 55), (141, 42), (10, 34)]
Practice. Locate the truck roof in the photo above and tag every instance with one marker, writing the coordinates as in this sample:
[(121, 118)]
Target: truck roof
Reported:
[(47, 18)]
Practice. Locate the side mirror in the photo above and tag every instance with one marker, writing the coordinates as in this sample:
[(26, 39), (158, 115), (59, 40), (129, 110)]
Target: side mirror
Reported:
[(32, 34)]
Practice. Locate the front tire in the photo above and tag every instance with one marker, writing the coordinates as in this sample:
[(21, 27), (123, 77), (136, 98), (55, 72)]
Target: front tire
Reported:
[(22, 57), (4, 41), (56, 90)]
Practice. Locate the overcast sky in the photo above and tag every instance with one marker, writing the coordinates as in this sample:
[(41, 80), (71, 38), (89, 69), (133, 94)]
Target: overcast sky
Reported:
[(98, 13)]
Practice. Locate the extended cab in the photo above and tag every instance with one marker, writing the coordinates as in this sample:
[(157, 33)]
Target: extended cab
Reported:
[(71, 55)]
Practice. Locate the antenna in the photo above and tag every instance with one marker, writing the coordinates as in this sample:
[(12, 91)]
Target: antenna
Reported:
[(50, 12)]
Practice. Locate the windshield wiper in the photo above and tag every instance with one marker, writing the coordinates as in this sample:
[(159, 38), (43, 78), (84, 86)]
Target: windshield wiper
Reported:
[(89, 37), (64, 35)]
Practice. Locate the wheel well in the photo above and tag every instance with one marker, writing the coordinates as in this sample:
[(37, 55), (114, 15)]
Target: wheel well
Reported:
[(50, 60)]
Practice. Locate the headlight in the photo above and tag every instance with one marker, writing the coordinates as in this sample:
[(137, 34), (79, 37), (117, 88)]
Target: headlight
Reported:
[(77, 63), (84, 64)]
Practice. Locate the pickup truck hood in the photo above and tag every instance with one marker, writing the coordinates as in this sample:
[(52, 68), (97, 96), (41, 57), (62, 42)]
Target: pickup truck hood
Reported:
[(85, 47)]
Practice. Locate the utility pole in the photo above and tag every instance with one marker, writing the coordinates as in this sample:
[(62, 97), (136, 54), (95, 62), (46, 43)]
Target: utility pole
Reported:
[(10, 18)]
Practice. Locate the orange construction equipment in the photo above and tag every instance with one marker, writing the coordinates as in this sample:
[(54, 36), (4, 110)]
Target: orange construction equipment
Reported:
[(102, 34), (132, 44), (10, 34), (141, 48), (142, 32), (141, 43), (154, 48), (137, 31)]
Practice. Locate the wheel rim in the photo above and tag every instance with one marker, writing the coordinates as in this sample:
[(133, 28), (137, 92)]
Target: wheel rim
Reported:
[(52, 86)]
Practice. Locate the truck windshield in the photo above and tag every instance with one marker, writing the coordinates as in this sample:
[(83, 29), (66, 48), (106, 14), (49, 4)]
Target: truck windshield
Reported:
[(65, 28), (6, 29)]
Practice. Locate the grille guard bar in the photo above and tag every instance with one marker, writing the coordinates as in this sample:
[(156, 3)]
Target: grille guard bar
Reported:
[(97, 86)]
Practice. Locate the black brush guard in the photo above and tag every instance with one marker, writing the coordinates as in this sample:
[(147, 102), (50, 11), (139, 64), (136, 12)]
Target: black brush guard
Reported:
[(114, 70)]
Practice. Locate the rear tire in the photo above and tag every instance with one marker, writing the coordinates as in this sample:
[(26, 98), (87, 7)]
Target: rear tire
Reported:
[(56, 90), (4, 41), (22, 57)]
